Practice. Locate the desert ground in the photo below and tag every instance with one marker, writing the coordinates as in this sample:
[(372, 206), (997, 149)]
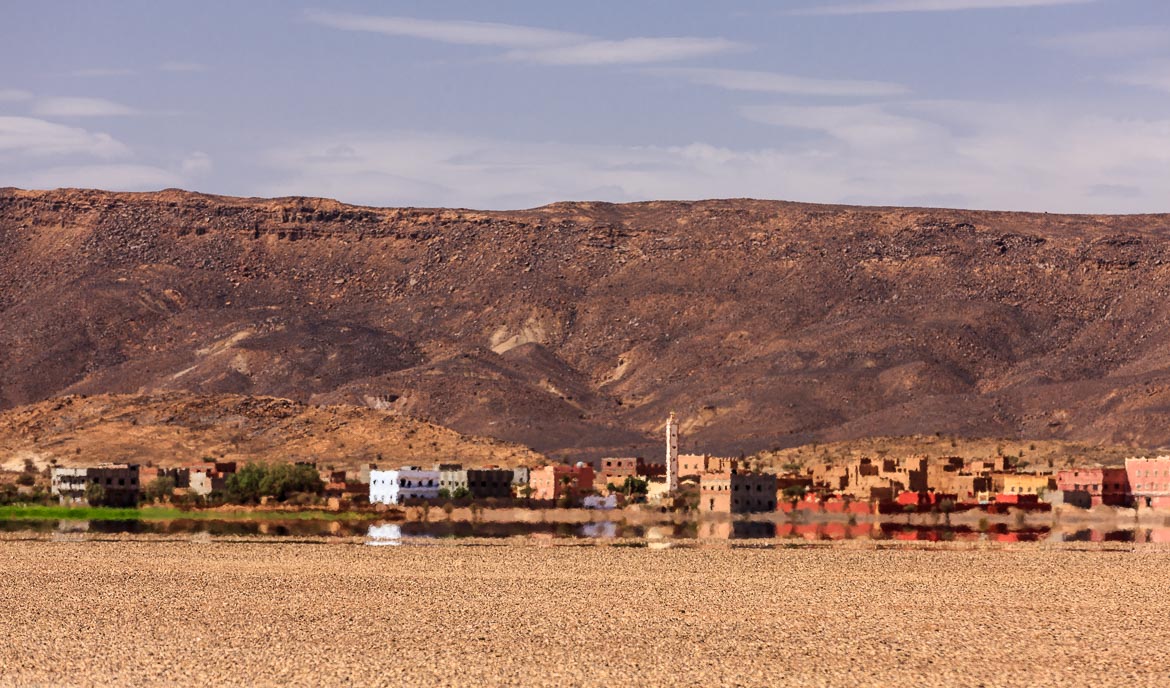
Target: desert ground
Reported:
[(261, 613)]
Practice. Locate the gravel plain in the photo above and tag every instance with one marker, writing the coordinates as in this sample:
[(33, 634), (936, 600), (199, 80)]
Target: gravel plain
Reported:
[(214, 613)]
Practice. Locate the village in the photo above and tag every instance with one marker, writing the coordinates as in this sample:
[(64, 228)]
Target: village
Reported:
[(698, 483)]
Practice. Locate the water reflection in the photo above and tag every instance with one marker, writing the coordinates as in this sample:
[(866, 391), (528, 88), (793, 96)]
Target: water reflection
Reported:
[(653, 535)]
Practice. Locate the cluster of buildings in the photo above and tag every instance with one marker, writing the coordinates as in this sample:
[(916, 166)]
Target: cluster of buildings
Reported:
[(199, 479), (723, 485), (1140, 483), (119, 483)]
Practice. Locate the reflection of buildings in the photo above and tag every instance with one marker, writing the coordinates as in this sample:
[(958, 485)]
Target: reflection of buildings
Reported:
[(601, 529)]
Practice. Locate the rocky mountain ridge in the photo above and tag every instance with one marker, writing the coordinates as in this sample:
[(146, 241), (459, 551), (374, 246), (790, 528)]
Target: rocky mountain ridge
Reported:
[(576, 328)]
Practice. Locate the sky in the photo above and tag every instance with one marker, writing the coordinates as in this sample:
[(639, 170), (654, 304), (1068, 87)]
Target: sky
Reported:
[(1038, 105)]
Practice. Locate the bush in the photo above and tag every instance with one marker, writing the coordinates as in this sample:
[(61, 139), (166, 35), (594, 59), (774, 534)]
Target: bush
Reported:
[(635, 486), (159, 489), (460, 492), (794, 492), (95, 494), (26, 479), (256, 480)]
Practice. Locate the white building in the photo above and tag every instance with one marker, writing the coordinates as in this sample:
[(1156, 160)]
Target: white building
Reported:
[(398, 486)]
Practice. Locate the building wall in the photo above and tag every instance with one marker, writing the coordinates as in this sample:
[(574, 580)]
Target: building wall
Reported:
[(489, 483), (1108, 486), (737, 493), (553, 482), (694, 465), (120, 482), (402, 485), (452, 479), (1027, 483), (1149, 479), (181, 476), (618, 467)]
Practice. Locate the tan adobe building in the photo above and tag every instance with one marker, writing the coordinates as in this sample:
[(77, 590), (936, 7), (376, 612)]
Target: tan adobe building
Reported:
[(737, 493), (695, 465), (1024, 483)]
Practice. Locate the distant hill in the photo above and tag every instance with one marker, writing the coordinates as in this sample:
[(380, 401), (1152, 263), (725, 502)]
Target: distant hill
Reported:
[(577, 327)]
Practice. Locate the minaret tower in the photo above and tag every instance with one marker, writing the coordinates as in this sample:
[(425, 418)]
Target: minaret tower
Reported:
[(671, 454)]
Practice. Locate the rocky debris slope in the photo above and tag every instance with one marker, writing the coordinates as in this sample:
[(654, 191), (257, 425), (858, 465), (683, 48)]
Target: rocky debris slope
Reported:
[(576, 328), (179, 429)]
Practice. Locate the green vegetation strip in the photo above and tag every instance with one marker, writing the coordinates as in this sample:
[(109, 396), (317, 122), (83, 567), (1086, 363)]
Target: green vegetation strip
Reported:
[(58, 513)]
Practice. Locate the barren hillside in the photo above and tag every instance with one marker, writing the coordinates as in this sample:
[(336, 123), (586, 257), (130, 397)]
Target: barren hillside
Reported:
[(177, 429), (575, 328)]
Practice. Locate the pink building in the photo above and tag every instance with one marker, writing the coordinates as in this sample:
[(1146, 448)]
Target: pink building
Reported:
[(1149, 479), (1095, 486)]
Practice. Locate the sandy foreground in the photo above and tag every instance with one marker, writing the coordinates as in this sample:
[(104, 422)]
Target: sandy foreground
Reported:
[(150, 612)]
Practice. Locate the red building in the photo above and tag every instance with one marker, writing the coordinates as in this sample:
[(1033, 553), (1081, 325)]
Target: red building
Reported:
[(554, 482), (1149, 479), (1089, 487)]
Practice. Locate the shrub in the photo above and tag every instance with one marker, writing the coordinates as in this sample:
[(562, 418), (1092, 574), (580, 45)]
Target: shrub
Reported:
[(95, 494), (26, 479), (159, 489), (635, 486), (256, 480)]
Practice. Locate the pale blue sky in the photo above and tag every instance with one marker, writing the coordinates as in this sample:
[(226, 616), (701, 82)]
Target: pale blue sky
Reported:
[(1056, 105)]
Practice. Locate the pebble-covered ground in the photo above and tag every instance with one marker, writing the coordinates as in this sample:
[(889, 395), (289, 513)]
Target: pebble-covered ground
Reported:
[(188, 613)]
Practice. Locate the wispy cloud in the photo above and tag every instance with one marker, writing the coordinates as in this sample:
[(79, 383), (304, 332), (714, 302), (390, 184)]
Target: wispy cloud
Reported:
[(773, 82), (628, 51), (80, 107), (457, 32), (918, 153), (196, 163), (12, 95), (37, 137), (862, 127), (1155, 75), (116, 177), (889, 6), (533, 44), (1115, 42)]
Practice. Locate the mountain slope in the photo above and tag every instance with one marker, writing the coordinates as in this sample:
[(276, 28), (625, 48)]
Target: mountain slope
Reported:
[(175, 429), (577, 327)]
